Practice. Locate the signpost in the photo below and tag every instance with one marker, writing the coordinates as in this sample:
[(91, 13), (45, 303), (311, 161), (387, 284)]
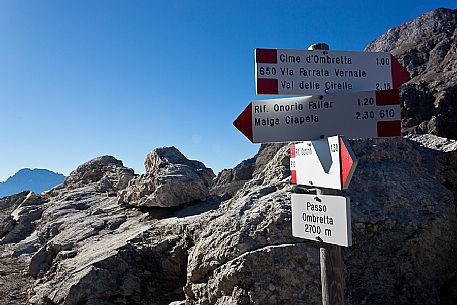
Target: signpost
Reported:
[(304, 72), (328, 163), (368, 114), (339, 105), (322, 218)]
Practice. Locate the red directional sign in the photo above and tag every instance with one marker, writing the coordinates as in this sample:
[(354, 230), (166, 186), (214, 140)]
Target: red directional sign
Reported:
[(368, 114), (304, 72), (328, 163)]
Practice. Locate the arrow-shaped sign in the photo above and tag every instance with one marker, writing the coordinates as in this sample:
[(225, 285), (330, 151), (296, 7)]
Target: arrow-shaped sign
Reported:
[(328, 163), (369, 114), (304, 72)]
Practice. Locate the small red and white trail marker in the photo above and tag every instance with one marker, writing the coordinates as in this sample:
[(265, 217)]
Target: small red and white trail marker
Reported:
[(304, 72), (368, 114), (328, 163)]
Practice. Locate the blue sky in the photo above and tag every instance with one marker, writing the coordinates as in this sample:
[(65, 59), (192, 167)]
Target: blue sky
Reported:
[(80, 79)]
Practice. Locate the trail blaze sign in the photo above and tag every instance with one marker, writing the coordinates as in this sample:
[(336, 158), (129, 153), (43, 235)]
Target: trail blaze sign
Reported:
[(328, 163), (304, 72)]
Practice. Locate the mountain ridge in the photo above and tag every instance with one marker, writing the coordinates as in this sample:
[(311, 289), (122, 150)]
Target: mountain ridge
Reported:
[(36, 180), (427, 47)]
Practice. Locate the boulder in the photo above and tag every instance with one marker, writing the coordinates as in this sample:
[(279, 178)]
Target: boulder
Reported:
[(108, 173), (170, 180)]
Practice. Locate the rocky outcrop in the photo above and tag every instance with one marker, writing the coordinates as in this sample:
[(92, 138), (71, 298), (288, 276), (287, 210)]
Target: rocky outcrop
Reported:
[(94, 251), (16, 235), (230, 181), (400, 209), (24, 217), (403, 218), (170, 180), (242, 251), (427, 47), (266, 153), (25, 209), (7, 206), (108, 172)]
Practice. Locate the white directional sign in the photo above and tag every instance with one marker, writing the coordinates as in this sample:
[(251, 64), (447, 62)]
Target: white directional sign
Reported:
[(328, 163), (322, 218), (304, 72), (368, 114)]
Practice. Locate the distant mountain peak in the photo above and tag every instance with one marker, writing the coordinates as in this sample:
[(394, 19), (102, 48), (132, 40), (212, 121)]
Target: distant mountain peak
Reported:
[(37, 180)]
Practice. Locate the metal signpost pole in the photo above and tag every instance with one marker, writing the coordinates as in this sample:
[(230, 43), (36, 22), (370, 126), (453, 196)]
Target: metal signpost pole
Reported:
[(331, 260)]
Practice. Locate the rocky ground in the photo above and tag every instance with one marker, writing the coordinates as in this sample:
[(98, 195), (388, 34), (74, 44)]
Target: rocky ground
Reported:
[(81, 243), (14, 278), (15, 281)]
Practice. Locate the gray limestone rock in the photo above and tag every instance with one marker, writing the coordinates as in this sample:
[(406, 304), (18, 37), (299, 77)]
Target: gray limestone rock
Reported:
[(403, 225), (242, 252), (170, 180), (266, 153), (427, 47), (6, 226), (94, 251), (229, 181), (21, 222), (404, 234), (108, 173)]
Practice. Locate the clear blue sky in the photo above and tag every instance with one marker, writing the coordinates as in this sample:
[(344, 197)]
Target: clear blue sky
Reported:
[(80, 79)]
